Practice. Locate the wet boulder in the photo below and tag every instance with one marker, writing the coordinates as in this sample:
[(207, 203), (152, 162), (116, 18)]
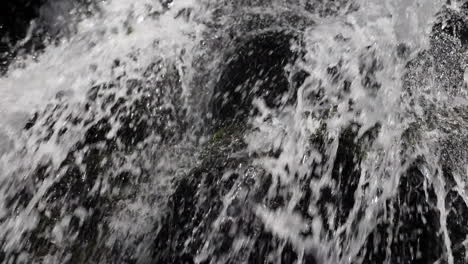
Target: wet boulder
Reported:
[(214, 211), (104, 137), (423, 222), (256, 70), (213, 208), (15, 18), (28, 26)]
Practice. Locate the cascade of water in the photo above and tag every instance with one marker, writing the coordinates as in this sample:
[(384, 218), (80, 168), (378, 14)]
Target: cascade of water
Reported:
[(205, 131)]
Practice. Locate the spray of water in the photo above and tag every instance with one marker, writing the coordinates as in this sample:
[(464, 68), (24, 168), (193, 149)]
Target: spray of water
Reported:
[(108, 155)]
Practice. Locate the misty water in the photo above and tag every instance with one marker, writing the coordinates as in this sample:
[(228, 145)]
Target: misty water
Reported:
[(203, 131)]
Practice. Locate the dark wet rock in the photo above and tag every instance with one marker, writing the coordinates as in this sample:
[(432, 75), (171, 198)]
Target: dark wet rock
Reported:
[(202, 222), (412, 227), (16, 15), (15, 18), (408, 227), (403, 51), (215, 205), (409, 231), (116, 123), (446, 60), (457, 221), (28, 26), (200, 225), (368, 68), (327, 8), (256, 70), (197, 202), (213, 209), (346, 169), (454, 24)]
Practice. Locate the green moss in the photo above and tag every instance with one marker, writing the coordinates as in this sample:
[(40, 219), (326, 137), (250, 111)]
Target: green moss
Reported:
[(219, 135), (129, 30), (226, 132)]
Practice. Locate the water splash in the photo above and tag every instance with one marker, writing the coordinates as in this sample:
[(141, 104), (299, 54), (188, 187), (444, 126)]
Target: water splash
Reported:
[(118, 162)]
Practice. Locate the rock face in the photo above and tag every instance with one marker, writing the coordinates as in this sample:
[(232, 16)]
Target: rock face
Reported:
[(215, 208), (15, 18), (26, 26), (256, 69), (119, 122)]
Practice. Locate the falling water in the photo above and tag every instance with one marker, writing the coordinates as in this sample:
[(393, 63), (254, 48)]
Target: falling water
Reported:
[(132, 136)]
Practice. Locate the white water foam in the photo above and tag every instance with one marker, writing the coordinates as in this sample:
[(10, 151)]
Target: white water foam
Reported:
[(138, 32)]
